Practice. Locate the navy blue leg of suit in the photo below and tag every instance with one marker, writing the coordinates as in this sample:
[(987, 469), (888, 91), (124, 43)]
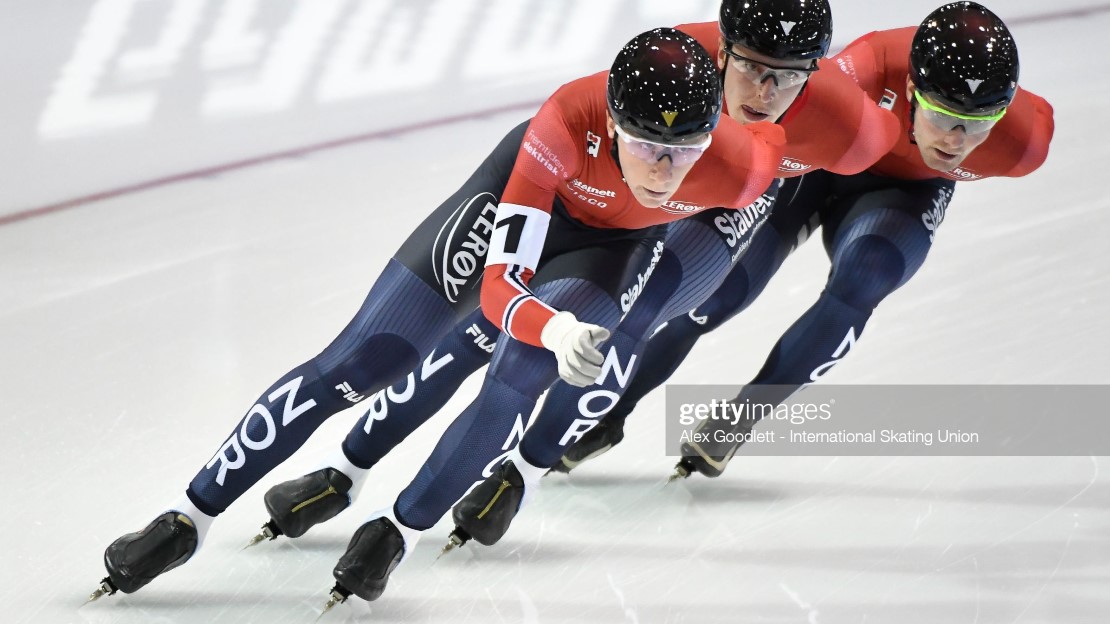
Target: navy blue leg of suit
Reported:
[(790, 223), (399, 321), (519, 373), (699, 254), (429, 285), (877, 232), (877, 235), (670, 345), (396, 412)]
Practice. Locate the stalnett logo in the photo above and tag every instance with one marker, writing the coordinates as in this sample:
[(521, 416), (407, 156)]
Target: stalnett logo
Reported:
[(630, 296), (959, 173), (592, 190), (934, 216), (677, 207), (738, 226), (789, 164), (461, 245)]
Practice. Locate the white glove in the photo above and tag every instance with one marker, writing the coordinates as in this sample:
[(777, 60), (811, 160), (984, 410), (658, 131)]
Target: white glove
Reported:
[(574, 344)]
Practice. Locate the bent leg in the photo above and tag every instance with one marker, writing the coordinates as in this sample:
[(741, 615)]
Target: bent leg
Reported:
[(491, 425), (424, 291), (396, 325), (394, 413), (877, 240)]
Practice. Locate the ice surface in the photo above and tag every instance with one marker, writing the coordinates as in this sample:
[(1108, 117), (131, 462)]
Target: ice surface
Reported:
[(135, 331)]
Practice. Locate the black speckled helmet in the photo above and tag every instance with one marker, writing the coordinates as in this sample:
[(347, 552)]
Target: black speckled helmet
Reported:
[(788, 30), (964, 58), (665, 87)]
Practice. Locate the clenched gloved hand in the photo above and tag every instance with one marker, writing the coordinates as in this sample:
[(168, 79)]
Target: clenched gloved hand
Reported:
[(574, 344)]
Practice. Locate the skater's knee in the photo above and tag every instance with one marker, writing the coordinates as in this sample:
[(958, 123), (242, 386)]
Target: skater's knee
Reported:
[(527, 369), (723, 305), (368, 365), (870, 268)]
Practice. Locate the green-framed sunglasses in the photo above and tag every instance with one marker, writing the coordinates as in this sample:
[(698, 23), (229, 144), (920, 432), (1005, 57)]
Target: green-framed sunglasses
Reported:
[(947, 120)]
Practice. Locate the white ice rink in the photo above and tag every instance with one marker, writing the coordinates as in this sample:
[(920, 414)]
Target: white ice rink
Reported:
[(135, 331)]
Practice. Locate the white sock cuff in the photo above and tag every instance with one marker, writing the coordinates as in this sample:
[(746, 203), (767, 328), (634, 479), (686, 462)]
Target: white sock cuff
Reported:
[(201, 520), (337, 459), (532, 474), (410, 535)]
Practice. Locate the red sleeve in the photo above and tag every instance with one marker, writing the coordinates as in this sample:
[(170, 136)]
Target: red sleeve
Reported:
[(1037, 113), (870, 134), (766, 145), (546, 158), (740, 165), (837, 127), (859, 60)]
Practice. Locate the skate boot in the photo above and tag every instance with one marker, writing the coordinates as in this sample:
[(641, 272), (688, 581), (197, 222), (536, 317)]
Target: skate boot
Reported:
[(375, 550), (298, 505), (710, 458), (136, 559), (487, 511), (597, 441)]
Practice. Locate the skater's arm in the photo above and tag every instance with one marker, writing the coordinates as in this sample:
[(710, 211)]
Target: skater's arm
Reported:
[(546, 159)]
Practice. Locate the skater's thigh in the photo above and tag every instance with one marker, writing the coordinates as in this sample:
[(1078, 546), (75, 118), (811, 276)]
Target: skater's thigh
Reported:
[(448, 249), (599, 282)]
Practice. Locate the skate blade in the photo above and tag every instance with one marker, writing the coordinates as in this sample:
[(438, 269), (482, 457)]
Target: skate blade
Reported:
[(338, 596), (453, 542), (680, 472), (267, 533), (105, 589)]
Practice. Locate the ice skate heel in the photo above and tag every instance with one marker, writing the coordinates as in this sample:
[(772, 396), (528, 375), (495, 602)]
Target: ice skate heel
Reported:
[(374, 552), (697, 459), (595, 443), (298, 505), (136, 559), (487, 511)]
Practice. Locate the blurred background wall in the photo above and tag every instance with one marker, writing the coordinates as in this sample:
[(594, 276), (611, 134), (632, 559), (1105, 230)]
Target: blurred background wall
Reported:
[(101, 95)]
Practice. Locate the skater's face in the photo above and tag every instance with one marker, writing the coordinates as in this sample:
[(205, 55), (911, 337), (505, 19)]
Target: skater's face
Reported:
[(654, 171), (758, 87), (944, 143)]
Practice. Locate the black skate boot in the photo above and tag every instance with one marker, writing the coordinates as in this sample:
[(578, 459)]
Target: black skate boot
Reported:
[(487, 511), (597, 441), (711, 458), (696, 459), (298, 505), (136, 559), (375, 550)]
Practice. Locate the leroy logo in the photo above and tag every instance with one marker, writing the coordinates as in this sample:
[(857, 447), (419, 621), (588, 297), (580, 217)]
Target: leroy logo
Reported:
[(682, 208), (792, 166), (460, 247), (960, 173)]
